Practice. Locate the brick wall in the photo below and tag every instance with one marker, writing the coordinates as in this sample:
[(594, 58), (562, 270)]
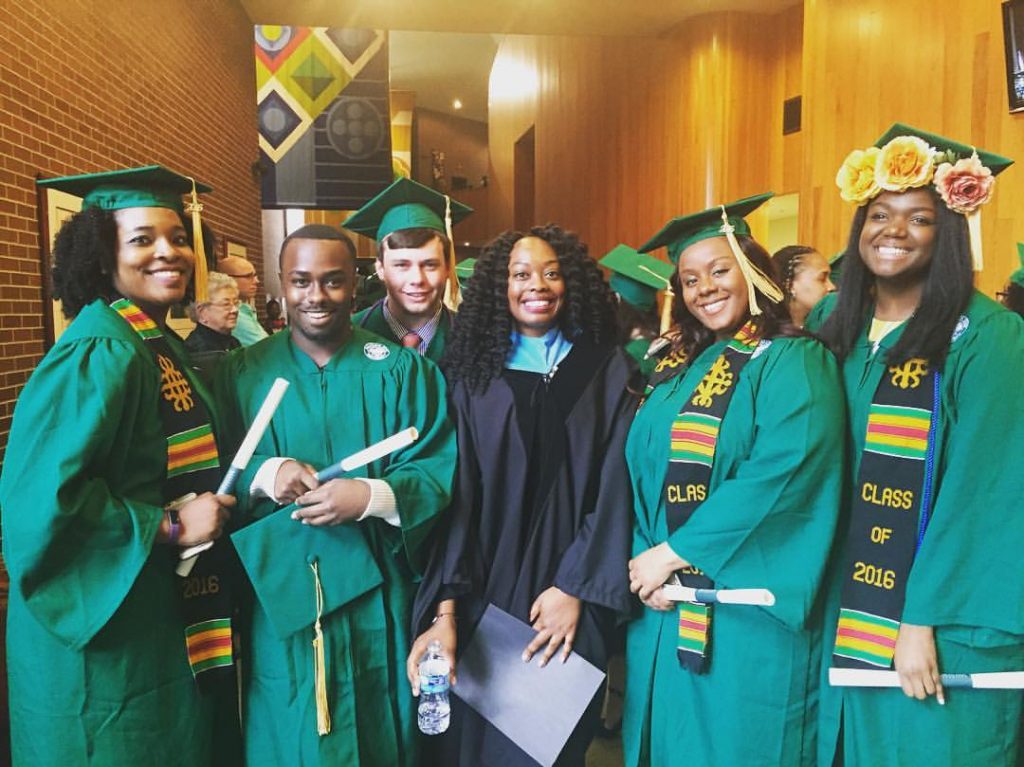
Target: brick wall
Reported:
[(91, 85)]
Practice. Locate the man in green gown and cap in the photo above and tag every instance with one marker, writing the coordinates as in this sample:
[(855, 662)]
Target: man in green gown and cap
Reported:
[(334, 571), (412, 225)]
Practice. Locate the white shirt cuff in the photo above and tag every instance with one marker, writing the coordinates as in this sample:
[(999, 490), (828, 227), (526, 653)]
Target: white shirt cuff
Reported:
[(263, 483), (382, 502)]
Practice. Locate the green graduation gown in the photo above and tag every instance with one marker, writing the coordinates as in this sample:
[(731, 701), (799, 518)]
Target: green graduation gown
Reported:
[(369, 390), (95, 642), (966, 579), (768, 522), (372, 318)]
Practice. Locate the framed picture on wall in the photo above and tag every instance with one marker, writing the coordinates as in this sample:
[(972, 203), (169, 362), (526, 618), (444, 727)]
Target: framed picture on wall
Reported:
[(232, 248), (1013, 43)]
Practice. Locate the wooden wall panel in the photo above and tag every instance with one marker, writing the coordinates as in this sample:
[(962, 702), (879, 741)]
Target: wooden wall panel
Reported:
[(938, 66), (630, 132)]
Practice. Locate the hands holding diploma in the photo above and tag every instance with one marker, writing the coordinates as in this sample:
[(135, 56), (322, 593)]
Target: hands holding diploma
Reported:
[(917, 662), (649, 571), (201, 519), (332, 503)]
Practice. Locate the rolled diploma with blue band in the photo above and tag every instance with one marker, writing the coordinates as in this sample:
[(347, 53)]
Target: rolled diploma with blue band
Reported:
[(239, 463), (678, 593), (367, 455), (856, 677)]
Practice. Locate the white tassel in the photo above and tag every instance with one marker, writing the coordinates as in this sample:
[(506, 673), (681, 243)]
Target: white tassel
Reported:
[(452, 291), (974, 234)]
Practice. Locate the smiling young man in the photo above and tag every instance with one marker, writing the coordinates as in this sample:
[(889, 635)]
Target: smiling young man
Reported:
[(339, 561), (415, 262)]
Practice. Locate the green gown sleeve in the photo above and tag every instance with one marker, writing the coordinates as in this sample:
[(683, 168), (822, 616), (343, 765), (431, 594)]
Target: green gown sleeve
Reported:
[(81, 498), (770, 523), (422, 474), (967, 571)]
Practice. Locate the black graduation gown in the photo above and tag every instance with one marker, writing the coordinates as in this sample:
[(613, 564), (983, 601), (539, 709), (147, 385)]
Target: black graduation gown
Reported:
[(542, 498)]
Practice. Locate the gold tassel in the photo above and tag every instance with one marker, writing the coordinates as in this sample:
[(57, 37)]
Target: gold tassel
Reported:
[(323, 713), (200, 273), (974, 234), (755, 277), (452, 293), (666, 301)]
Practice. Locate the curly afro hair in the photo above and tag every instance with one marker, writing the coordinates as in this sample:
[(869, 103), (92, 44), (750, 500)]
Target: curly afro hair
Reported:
[(482, 334), (85, 259)]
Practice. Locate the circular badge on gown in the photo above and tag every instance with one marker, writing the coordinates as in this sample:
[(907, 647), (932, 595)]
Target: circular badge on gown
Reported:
[(961, 327), (376, 351)]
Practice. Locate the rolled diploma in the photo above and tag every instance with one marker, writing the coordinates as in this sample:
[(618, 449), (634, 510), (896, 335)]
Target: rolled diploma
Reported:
[(856, 677), (678, 593), (367, 455), (239, 463)]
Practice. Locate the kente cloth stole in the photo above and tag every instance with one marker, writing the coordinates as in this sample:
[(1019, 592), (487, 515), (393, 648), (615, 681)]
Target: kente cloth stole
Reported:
[(193, 465), (694, 436), (891, 504)]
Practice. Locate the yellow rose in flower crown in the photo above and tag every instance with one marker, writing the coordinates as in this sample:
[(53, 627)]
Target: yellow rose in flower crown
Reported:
[(906, 162), (856, 176)]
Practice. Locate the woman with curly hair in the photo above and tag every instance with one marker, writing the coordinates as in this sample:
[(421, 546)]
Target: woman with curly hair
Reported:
[(539, 524), (736, 463), (109, 432), (928, 578)]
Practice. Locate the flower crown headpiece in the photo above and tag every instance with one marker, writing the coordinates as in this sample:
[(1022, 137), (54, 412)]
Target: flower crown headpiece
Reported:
[(910, 162)]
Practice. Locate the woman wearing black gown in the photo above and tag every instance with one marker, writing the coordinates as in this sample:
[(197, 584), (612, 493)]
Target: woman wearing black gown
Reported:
[(540, 518)]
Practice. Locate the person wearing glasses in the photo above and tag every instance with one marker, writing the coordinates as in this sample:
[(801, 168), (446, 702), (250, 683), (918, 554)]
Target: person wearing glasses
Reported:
[(215, 319), (248, 330)]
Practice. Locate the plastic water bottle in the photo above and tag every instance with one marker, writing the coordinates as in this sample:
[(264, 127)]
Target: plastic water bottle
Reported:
[(434, 712)]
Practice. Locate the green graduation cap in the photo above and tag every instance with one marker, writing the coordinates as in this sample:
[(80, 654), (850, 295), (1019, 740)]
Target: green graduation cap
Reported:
[(278, 552), (720, 221), (636, 277), (994, 162), (465, 268), (1018, 276), (152, 186), (405, 205), (679, 233)]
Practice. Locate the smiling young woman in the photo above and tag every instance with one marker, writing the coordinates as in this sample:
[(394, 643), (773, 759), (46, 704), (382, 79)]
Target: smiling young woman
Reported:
[(93, 467), (735, 462), (926, 361)]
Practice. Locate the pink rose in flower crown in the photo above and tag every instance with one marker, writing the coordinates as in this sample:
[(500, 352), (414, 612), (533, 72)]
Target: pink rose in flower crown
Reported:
[(965, 185), (856, 176), (906, 162)]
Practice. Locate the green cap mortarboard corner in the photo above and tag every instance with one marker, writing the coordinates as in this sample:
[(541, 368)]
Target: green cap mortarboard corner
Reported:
[(465, 268), (405, 205), (720, 221), (994, 162), (1018, 276), (636, 277), (151, 186)]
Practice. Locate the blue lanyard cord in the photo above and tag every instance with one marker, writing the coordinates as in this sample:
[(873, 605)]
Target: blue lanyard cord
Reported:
[(929, 463)]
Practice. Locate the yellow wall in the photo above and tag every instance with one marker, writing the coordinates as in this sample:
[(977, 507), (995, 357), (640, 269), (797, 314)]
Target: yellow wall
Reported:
[(630, 132)]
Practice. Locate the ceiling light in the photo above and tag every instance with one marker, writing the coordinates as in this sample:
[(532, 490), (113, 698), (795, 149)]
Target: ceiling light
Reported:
[(457, 104)]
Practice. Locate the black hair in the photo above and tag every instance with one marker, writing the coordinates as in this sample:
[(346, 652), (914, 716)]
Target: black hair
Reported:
[(1013, 298), (481, 337), (786, 261), (948, 286), (317, 232), (416, 237), (633, 320), (85, 260), (774, 321)]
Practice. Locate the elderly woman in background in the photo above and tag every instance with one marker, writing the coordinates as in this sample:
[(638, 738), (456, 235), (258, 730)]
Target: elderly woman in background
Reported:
[(215, 319)]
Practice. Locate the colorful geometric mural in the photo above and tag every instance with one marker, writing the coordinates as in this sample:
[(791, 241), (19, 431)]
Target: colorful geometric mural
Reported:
[(323, 118)]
